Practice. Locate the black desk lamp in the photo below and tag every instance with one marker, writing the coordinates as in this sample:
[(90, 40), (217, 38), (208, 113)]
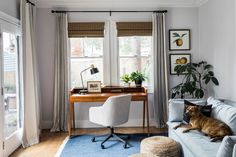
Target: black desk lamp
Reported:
[(93, 70)]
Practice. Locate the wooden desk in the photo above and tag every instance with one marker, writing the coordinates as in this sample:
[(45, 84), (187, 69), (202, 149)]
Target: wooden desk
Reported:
[(138, 94)]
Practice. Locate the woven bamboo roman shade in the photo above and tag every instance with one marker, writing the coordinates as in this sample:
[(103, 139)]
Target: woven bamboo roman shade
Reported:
[(86, 29), (134, 29)]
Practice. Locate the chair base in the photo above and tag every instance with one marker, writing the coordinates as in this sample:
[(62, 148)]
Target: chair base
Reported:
[(112, 135)]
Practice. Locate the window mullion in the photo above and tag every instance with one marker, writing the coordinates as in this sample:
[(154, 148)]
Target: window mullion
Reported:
[(114, 54)]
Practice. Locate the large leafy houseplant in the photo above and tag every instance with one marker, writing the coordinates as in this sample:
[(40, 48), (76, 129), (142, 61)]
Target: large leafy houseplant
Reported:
[(196, 76)]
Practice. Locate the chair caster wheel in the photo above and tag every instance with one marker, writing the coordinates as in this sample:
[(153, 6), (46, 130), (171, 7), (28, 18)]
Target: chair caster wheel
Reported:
[(93, 139), (103, 147), (125, 145)]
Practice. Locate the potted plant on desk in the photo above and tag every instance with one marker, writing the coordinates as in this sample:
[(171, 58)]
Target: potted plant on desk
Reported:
[(126, 79), (138, 78)]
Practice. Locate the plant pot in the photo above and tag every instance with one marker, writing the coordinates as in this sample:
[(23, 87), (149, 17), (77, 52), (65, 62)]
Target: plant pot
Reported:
[(126, 84), (138, 83)]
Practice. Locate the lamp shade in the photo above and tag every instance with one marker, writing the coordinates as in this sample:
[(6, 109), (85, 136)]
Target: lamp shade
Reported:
[(94, 70)]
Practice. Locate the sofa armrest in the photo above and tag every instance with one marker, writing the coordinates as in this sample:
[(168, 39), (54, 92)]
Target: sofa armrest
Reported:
[(227, 147), (234, 151)]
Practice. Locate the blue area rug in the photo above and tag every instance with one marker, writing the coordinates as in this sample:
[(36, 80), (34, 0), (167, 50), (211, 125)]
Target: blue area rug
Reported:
[(82, 146)]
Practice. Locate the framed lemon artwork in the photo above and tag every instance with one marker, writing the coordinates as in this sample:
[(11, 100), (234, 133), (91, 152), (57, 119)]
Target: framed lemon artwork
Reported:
[(178, 59), (179, 39)]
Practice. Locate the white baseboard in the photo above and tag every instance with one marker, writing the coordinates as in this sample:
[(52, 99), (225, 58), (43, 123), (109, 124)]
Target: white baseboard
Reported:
[(88, 124)]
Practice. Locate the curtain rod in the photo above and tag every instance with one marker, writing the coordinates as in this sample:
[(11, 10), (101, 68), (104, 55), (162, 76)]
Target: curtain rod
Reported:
[(156, 11), (30, 2)]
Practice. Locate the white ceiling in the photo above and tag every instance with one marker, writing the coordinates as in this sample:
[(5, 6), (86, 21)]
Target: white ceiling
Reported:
[(117, 4)]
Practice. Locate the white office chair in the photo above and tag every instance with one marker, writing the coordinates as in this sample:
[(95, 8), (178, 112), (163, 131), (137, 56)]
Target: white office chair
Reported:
[(115, 111)]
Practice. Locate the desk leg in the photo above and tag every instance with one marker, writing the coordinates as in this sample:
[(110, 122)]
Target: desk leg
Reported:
[(73, 115), (144, 111), (70, 118), (147, 115)]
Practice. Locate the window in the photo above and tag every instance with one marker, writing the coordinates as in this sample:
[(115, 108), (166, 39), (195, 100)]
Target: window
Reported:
[(86, 48), (135, 46), (135, 54), (84, 52)]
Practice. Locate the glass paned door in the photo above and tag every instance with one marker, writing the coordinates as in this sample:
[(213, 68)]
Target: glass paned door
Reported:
[(10, 84), (11, 92)]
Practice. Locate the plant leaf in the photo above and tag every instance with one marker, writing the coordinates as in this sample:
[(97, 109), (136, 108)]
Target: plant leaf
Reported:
[(215, 81), (197, 93), (208, 66), (211, 73), (173, 95), (194, 77), (183, 35), (207, 80), (195, 64), (176, 35), (201, 93)]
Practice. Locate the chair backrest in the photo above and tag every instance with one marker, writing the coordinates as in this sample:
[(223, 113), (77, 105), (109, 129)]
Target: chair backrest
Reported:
[(116, 109)]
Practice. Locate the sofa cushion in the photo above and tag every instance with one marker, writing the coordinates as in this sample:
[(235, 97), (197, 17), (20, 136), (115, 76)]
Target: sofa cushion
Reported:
[(224, 112), (226, 147), (196, 142), (229, 102), (234, 151), (176, 108)]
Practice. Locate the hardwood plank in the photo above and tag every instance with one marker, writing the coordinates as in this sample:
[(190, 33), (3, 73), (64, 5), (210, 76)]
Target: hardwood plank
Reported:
[(50, 142)]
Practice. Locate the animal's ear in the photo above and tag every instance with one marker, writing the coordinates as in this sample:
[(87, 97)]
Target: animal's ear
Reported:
[(197, 107)]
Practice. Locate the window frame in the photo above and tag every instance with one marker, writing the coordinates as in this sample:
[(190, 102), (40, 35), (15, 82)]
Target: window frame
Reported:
[(111, 73), (149, 86), (85, 57)]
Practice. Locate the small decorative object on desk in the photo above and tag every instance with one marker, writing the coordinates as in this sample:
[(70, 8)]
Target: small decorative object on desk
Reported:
[(94, 86), (179, 39), (138, 78), (126, 79), (178, 59)]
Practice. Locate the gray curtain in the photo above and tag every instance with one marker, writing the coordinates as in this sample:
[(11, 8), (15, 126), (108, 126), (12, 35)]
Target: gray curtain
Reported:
[(29, 77), (160, 70), (61, 90)]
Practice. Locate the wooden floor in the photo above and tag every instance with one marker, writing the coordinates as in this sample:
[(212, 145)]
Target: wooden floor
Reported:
[(50, 142)]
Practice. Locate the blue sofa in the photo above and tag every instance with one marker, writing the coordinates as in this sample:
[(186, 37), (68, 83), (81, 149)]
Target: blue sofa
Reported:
[(194, 143)]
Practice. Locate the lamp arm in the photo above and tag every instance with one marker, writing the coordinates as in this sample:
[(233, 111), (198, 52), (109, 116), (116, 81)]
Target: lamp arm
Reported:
[(81, 76)]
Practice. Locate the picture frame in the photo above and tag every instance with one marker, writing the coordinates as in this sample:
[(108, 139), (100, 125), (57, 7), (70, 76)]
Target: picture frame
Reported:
[(178, 59), (179, 39), (94, 86)]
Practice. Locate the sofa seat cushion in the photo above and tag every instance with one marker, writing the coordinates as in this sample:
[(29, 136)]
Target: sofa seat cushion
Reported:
[(196, 142)]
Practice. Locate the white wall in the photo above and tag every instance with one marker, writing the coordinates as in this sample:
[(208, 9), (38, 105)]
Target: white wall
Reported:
[(217, 43), (176, 18), (10, 7), (184, 18)]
